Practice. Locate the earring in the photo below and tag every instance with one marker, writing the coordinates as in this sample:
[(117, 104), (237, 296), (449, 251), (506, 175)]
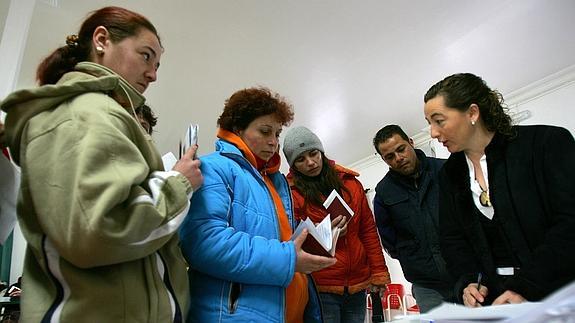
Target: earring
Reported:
[(99, 50), (473, 122)]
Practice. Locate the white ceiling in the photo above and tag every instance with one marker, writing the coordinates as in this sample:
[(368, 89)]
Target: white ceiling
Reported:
[(349, 67)]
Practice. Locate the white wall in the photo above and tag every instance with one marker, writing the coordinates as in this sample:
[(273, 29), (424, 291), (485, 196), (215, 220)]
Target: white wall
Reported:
[(551, 101)]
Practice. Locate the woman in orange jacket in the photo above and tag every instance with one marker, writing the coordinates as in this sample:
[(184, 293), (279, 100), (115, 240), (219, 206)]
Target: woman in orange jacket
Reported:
[(360, 262)]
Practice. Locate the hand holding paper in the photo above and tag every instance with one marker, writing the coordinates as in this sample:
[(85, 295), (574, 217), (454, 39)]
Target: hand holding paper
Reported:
[(306, 262), (321, 239), (190, 139), (188, 165), (509, 297), (190, 168), (341, 223)]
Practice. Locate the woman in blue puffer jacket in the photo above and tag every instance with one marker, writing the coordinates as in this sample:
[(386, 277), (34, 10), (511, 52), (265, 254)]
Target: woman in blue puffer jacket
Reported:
[(236, 237)]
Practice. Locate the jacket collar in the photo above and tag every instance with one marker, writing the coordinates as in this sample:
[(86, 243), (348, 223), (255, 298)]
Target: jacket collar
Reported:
[(457, 164), (495, 148), (87, 77), (272, 166), (124, 90)]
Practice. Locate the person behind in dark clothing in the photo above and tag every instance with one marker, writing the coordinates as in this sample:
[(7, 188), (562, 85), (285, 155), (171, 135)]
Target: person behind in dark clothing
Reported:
[(507, 212), (11, 312), (406, 213), (147, 118)]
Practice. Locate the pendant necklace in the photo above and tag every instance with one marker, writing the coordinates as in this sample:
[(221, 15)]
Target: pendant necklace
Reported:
[(484, 197)]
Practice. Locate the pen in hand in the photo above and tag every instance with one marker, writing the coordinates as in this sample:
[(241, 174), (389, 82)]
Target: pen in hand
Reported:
[(479, 277)]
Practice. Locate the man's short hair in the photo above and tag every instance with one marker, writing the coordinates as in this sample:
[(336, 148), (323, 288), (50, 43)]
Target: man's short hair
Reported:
[(387, 132)]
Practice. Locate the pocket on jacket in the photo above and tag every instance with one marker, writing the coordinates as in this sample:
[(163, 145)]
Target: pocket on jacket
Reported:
[(393, 199), (401, 210), (233, 297)]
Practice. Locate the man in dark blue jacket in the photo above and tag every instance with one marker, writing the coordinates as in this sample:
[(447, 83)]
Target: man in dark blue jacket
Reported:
[(406, 208)]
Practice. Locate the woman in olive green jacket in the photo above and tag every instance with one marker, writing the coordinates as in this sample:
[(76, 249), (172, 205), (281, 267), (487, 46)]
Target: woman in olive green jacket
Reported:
[(96, 207)]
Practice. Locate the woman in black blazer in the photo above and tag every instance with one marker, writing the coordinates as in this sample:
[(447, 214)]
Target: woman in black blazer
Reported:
[(507, 201)]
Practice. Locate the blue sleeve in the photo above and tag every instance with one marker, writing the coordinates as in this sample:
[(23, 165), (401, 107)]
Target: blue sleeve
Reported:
[(212, 246)]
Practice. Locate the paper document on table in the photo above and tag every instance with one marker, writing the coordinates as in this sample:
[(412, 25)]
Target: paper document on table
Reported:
[(448, 312), (557, 307)]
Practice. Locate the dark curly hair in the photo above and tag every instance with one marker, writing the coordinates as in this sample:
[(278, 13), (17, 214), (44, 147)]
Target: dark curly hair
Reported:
[(246, 105), (461, 90)]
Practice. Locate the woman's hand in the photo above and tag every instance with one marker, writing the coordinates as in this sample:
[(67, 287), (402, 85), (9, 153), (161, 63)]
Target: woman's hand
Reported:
[(306, 262), (473, 297), (509, 297), (16, 292), (341, 222), (190, 168)]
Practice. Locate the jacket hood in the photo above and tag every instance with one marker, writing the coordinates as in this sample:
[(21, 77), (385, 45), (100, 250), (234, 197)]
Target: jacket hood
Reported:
[(23, 105)]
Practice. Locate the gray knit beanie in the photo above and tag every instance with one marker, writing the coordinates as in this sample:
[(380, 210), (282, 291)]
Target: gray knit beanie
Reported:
[(299, 140)]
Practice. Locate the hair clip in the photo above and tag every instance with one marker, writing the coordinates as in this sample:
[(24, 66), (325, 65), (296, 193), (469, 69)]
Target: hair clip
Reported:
[(72, 41)]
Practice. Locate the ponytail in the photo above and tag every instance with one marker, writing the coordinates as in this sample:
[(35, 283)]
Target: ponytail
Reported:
[(62, 60)]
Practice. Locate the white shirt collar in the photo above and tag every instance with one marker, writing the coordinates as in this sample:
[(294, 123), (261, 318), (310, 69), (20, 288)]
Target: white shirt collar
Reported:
[(476, 189)]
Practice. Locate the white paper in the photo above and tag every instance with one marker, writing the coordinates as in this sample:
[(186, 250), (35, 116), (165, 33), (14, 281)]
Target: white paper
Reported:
[(448, 312), (558, 307), (190, 138), (322, 232), (335, 195), (9, 187), (169, 161)]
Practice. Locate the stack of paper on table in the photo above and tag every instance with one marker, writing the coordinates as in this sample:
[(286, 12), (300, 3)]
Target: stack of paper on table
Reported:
[(558, 307)]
